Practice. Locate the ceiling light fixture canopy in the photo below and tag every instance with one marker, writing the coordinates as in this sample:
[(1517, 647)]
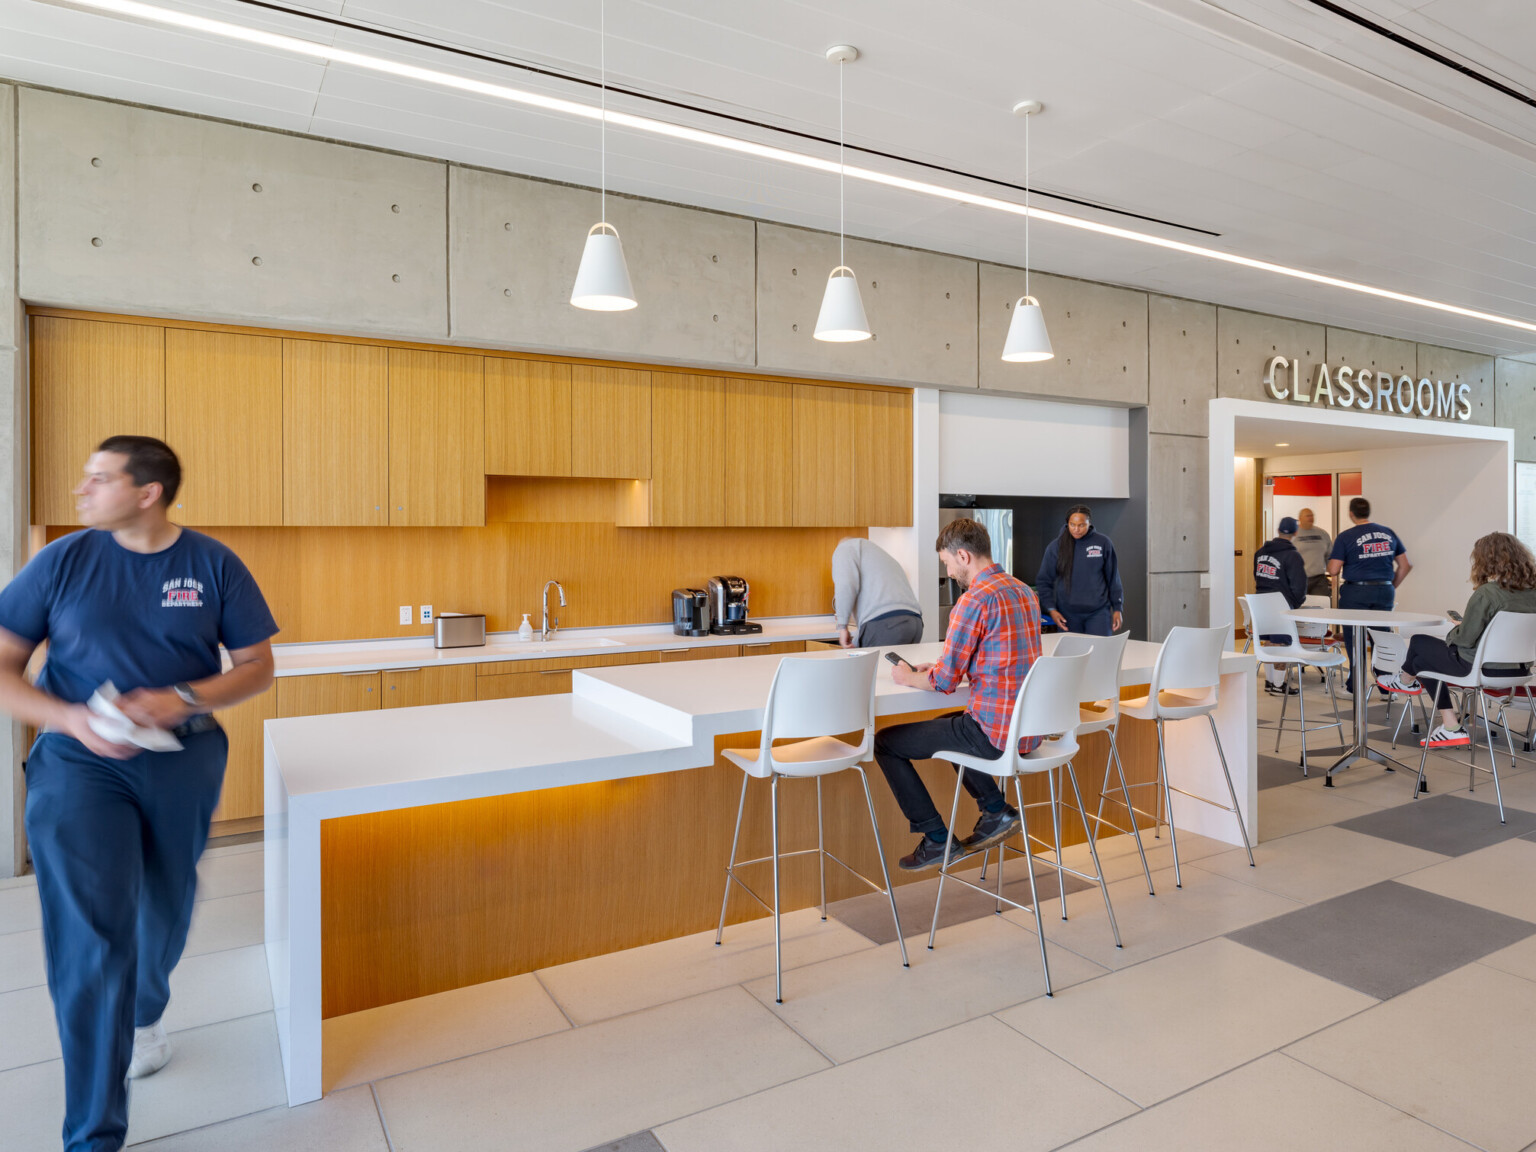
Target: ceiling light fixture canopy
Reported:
[(842, 319), (1028, 342), (136, 10), (602, 278)]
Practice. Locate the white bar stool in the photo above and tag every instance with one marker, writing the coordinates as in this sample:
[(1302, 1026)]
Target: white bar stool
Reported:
[(1267, 611), (812, 698), (1186, 682), (1510, 638), (1048, 706), (1388, 651)]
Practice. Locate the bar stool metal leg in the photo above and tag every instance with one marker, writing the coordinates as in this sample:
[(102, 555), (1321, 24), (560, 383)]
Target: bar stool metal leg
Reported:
[(1061, 883), (1237, 809), (949, 840), (1114, 751), (885, 873), (1162, 775), (821, 851), (1098, 869), (731, 863), (1034, 893), (1301, 700), (1493, 758), (778, 941), (1285, 700)]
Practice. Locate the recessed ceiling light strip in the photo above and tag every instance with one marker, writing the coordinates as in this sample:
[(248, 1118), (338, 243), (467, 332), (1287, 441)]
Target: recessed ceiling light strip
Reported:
[(134, 10)]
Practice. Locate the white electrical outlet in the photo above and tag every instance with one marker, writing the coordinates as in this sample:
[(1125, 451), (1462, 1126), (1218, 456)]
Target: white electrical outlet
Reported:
[(426, 613), (405, 613), (1205, 579)]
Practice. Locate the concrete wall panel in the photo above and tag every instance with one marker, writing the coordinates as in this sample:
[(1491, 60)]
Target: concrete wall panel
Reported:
[(1378, 353), (1175, 599), (514, 246), (1245, 341), (1177, 468), (921, 309), (1515, 404), (8, 336), (1181, 364), (139, 211), (1099, 335), (1465, 368)]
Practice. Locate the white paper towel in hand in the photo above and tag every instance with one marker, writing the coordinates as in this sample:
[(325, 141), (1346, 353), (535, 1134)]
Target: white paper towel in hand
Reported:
[(110, 724)]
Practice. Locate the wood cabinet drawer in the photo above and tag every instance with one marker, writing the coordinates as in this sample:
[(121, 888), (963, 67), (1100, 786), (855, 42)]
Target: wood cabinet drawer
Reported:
[(773, 647), (507, 685), (719, 652), (327, 693), (413, 687)]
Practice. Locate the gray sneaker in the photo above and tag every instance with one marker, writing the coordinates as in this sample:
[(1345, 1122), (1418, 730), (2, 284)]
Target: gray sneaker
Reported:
[(992, 829), (930, 854)]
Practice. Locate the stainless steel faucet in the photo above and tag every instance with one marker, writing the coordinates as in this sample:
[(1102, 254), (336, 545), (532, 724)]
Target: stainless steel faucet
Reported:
[(547, 631)]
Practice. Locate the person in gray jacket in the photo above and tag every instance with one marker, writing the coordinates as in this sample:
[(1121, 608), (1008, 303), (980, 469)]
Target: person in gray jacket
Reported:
[(872, 591)]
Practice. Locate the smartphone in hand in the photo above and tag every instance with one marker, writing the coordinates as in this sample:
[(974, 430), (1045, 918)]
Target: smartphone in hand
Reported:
[(895, 659), (1454, 615)]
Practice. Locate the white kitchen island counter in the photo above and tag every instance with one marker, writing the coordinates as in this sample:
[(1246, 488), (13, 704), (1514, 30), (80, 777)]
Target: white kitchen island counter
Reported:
[(617, 723)]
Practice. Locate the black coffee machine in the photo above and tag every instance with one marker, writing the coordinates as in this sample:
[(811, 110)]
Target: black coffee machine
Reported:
[(728, 602), (690, 612)]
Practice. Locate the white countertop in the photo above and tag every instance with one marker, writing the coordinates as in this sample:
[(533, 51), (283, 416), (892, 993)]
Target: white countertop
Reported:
[(418, 652)]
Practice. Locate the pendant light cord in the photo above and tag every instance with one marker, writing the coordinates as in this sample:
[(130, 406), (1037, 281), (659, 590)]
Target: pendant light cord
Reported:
[(1027, 119), (842, 258), (602, 37)]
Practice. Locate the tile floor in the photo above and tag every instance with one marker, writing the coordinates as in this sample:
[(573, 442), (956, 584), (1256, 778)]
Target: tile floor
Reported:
[(1379, 964)]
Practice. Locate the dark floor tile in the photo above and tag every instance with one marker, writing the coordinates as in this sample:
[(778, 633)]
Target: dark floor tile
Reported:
[(638, 1142), (1275, 771), (870, 914), (1385, 939), (1448, 824)]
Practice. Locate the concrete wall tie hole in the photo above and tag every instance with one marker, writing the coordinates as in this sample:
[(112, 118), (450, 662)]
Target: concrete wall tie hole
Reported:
[(255, 187), (95, 161), (396, 277), (394, 208), (95, 241), (256, 260)]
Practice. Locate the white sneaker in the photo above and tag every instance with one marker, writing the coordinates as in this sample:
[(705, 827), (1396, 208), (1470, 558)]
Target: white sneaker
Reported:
[(151, 1051), (1399, 683)]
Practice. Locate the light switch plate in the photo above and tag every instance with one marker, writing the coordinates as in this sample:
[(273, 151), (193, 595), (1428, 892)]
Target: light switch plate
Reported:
[(405, 613), (426, 613), (1205, 579)]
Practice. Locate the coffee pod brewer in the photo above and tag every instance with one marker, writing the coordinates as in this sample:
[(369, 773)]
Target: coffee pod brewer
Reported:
[(690, 612), (728, 602)]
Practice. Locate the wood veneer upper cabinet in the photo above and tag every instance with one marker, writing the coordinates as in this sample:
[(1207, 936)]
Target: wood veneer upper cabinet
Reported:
[(687, 450), (90, 379), (436, 438), (825, 423), (610, 422), (527, 418), (327, 693), (882, 459), (335, 434), (759, 454), (224, 417)]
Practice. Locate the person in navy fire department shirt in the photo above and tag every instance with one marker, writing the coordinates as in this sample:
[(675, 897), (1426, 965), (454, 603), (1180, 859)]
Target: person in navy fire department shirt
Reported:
[(1373, 562)]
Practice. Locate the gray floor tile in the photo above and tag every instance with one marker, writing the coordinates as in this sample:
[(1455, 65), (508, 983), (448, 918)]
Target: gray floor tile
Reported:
[(870, 914), (1277, 771), (639, 1142), (1385, 939), (1449, 825)]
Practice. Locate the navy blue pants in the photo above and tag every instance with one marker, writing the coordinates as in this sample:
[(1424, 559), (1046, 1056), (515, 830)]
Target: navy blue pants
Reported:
[(116, 844), (1095, 622), (1378, 597)]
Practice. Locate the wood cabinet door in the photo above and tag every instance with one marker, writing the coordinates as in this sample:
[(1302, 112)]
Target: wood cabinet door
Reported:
[(327, 693), (826, 422), (243, 795), (759, 454), (335, 434), (413, 687), (882, 459), (527, 418), (610, 422), (90, 379), (224, 418), (773, 648), (507, 685), (436, 439), (717, 652), (687, 450)]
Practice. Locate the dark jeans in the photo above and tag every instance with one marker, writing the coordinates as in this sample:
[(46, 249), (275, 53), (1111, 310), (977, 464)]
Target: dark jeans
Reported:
[(1432, 654), (1320, 586), (1373, 597), (897, 746), (116, 844), (889, 631), (1093, 622)]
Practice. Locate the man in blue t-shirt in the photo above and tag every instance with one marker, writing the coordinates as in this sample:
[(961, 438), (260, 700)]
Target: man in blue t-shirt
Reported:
[(116, 830), (1373, 562)]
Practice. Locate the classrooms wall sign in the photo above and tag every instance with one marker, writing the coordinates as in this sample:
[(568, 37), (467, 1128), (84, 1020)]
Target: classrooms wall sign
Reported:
[(1367, 390)]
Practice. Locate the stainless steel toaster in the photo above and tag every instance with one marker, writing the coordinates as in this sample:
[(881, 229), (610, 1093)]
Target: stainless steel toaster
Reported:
[(458, 630)]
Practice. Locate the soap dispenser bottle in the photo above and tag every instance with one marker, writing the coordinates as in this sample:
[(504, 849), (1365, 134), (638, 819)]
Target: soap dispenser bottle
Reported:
[(525, 632)]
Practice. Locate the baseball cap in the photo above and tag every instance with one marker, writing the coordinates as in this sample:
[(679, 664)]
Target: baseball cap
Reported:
[(1288, 525)]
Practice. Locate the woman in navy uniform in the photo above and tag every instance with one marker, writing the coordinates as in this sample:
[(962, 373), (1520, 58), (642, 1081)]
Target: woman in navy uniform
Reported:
[(1079, 580)]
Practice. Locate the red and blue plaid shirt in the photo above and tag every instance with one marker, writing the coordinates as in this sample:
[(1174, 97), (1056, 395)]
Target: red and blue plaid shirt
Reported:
[(993, 640)]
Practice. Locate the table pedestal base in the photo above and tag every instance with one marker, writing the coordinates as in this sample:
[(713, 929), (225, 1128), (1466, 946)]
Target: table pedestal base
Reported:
[(1364, 752)]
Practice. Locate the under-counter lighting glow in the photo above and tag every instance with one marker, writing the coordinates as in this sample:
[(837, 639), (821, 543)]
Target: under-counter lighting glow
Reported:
[(134, 10), (1287, 444)]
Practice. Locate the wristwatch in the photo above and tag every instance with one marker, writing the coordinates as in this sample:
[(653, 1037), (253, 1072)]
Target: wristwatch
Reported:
[(188, 694)]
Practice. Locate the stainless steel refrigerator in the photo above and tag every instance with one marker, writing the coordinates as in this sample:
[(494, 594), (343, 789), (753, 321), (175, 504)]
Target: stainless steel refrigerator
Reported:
[(999, 525)]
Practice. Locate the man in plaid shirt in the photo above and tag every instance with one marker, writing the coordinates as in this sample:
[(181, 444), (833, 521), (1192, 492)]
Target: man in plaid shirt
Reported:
[(992, 641)]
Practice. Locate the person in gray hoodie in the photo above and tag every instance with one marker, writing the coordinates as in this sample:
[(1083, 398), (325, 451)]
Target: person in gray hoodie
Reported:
[(871, 593)]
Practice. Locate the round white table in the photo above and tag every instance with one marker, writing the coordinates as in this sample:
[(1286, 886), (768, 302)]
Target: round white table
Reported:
[(1361, 619)]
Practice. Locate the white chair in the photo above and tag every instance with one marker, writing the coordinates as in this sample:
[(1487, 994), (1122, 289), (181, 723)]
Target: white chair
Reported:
[(1510, 638), (1186, 682), (1047, 706), (1248, 635), (1268, 610), (1317, 636), (811, 698), (1389, 650)]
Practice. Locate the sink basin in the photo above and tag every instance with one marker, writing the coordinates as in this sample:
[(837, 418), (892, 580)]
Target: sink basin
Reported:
[(566, 645)]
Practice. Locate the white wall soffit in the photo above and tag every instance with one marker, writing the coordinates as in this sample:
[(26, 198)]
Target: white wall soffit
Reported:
[(1002, 446)]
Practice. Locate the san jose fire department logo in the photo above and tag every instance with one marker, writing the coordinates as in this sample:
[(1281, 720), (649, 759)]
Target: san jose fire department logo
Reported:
[(183, 592), (1094, 551)]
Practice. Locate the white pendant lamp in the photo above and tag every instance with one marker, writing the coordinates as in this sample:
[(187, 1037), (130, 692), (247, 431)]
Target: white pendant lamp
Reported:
[(842, 318), (1027, 342), (602, 279)]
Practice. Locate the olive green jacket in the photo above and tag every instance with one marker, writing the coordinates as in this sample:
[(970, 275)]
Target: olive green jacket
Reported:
[(1486, 602)]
